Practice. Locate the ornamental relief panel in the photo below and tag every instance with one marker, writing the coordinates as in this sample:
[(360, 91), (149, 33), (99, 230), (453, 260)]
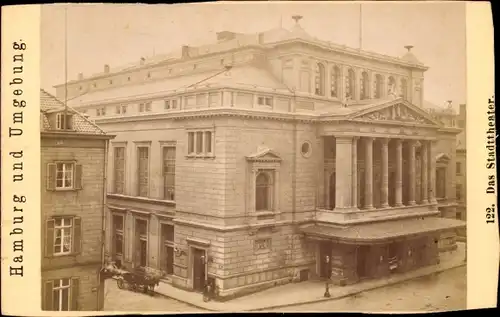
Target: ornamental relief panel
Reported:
[(398, 113)]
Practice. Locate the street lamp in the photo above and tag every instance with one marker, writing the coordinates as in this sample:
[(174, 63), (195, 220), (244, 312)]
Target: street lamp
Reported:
[(327, 291)]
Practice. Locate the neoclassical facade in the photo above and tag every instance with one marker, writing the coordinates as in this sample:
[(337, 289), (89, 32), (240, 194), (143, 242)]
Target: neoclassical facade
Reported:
[(269, 158)]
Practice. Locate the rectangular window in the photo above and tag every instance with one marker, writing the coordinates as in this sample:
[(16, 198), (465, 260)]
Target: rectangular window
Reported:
[(190, 142), (64, 175), (459, 192), (141, 242), (119, 171), (199, 142), (124, 109), (63, 229), (141, 107), (167, 105), (459, 168), (208, 142), (170, 104), (148, 106), (118, 236), (118, 110), (103, 111), (441, 182), (169, 172), (174, 103), (98, 112), (61, 295), (64, 121), (143, 171), (167, 251), (265, 101)]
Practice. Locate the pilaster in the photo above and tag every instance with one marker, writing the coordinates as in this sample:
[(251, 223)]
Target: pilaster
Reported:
[(412, 173), (399, 173), (425, 172), (354, 181)]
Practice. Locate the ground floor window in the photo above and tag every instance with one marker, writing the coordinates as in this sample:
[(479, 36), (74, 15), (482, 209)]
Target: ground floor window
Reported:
[(61, 294)]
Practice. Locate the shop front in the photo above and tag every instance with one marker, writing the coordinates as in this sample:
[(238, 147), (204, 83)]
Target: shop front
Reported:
[(347, 255)]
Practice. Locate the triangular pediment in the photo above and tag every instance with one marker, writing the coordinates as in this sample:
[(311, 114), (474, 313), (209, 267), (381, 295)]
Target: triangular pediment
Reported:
[(442, 158), (264, 155), (399, 110)]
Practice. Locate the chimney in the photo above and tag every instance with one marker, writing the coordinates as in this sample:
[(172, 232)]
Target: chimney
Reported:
[(106, 68), (450, 105), (143, 60), (261, 38), (185, 51), (409, 47), (297, 18), (80, 76)]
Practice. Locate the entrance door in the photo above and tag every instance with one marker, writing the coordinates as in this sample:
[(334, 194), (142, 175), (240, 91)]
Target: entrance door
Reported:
[(198, 269), (362, 258), (325, 268), (332, 191)]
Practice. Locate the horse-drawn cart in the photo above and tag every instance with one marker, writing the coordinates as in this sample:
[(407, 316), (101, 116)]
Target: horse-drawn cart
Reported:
[(135, 280)]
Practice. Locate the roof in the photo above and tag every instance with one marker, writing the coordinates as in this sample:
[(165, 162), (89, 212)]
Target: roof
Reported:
[(383, 231), (247, 76), (50, 104), (267, 38)]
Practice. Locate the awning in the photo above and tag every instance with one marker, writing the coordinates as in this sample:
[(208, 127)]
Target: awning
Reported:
[(385, 231)]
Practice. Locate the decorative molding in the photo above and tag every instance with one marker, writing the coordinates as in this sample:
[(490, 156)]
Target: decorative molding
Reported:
[(262, 244), (198, 242)]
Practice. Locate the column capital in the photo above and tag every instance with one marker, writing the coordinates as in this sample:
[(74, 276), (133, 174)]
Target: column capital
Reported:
[(384, 141), (344, 139)]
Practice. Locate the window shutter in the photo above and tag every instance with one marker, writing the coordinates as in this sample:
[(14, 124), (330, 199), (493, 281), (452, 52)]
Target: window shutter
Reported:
[(75, 292), (78, 176), (48, 292), (51, 176), (49, 237), (77, 235)]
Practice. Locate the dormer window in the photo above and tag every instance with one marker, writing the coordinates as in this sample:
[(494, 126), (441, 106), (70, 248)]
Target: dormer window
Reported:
[(64, 121), (265, 101)]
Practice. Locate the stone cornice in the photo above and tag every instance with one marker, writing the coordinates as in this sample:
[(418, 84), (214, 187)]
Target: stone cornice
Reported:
[(351, 51)]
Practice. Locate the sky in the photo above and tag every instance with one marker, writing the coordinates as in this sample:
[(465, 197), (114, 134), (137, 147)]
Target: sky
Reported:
[(100, 34)]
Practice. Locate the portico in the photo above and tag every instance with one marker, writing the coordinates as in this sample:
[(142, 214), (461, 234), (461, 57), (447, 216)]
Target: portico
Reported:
[(372, 169)]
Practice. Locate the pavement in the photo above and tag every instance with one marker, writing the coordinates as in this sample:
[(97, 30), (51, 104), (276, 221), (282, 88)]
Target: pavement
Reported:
[(309, 292)]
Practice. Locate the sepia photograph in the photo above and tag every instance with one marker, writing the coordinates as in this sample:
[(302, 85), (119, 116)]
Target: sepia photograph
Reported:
[(235, 157)]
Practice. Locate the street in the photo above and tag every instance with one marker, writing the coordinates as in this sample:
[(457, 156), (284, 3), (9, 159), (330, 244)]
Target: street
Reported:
[(124, 300), (445, 291)]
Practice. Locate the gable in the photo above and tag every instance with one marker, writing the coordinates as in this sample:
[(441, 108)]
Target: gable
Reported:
[(400, 111), (264, 155)]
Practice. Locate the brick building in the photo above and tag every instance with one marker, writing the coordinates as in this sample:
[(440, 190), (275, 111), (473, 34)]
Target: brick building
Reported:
[(268, 158), (73, 162)]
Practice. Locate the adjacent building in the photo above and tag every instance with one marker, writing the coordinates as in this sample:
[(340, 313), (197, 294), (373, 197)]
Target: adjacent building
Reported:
[(268, 158), (73, 185)]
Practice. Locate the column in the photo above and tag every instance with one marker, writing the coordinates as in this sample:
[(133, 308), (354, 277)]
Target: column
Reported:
[(425, 172), (355, 173), (411, 172), (343, 172), (368, 173), (399, 174), (432, 172), (357, 84), (253, 179), (343, 74), (385, 173)]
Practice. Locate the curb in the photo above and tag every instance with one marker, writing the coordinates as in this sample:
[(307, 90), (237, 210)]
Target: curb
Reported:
[(451, 267), (319, 300)]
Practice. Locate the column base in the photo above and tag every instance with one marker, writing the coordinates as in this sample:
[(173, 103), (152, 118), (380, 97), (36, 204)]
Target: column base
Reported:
[(368, 207), (412, 203), (399, 205), (385, 205), (424, 202)]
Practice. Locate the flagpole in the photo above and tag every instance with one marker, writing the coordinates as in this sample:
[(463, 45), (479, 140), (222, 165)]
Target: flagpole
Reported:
[(65, 63), (360, 26)]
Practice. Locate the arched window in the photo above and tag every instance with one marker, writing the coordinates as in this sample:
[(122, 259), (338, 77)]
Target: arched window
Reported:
[(335, 76), (320, 80), (349, 84), (364, 86), (391, 86), (263, 192), (404, 89), (378, 83)]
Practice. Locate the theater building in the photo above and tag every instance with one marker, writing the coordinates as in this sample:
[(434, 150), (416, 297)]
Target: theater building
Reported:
[(268, 158), (73, 161)]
